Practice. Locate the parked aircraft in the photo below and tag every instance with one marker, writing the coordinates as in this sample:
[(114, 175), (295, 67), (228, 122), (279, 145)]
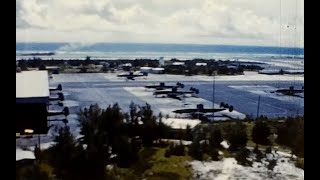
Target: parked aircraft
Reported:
[(290, 91), (163, 86), (58, 88), (175, 94), (132, 75)]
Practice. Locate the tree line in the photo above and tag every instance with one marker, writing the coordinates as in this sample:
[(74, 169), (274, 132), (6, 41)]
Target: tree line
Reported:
[(110, 136)]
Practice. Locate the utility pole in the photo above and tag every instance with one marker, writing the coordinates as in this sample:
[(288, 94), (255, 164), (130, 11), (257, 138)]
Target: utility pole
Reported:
[(258, 107), (213, 89), (39, 140)]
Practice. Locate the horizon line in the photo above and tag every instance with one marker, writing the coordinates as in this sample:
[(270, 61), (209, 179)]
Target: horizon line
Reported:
[(161, 43)]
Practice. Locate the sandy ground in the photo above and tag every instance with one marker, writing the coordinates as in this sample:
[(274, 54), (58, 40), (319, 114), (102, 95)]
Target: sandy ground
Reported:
[(229, 169)]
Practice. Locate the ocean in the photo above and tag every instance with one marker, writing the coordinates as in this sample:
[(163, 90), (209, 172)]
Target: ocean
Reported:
[(71, 51)]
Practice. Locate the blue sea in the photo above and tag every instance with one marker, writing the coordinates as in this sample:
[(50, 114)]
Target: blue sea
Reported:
[(70, 51)]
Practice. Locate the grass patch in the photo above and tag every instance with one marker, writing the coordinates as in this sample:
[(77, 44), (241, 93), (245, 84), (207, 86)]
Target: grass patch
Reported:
[(154, 165), (122, 174), (227, 153), (33, 169), (206, 157)]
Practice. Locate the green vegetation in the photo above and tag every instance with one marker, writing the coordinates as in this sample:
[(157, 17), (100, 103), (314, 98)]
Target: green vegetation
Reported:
[(242, 156), (236, 134), (191, 67), (300, 163), (291, 134), (118, 145), (154, 165), (30, 169), (261, 132)]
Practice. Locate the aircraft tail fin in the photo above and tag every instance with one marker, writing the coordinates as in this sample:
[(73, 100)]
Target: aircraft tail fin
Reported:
[(66, 111)]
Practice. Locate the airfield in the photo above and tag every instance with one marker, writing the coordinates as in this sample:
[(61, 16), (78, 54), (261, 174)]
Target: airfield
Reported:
[(242, 92)]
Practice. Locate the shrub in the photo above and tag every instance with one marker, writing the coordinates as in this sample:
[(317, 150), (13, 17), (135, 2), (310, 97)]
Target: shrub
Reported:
[(300, 163)]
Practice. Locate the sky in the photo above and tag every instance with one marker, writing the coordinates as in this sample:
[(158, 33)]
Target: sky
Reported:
[(230, 22)]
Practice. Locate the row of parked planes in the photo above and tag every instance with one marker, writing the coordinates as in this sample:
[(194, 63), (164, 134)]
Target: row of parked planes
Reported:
[(172, 91), (132, 75), (56, 98)]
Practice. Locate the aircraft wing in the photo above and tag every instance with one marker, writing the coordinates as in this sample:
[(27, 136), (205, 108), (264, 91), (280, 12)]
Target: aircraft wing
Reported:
[(157, 87), (161, 92), (137, 75), (186, 92), (180, 111), (174, 96), (212, 110), (297, 95), (122, 75)]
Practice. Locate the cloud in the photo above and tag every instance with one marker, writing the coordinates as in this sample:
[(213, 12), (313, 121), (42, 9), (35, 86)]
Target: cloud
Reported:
[(177, 21), (20, 22)]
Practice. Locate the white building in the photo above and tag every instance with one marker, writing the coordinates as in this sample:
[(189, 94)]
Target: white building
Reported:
[(146, 69), (32, 98), (157, 70), (201, 64), (176, 123), (178, 63)]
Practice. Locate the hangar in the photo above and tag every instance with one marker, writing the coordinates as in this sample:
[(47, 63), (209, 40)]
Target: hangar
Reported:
[(33, 101)]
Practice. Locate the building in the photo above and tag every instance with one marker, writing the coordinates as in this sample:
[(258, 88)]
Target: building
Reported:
[(201, 64), (145, 69), (32, 102), (32, 98), (53, 69), (178, 63), (179, 126), (157, 70), (179, 123)]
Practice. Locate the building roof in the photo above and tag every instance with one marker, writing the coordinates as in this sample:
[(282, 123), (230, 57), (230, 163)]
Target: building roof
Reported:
[(201, 64), (52, 67), (32, 87), (178, 63), (232, 67), (175, 123), (158, 69), (145, 68)]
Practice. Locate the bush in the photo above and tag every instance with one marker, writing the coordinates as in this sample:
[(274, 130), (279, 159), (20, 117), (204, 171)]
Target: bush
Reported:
[(300, 163), (242, 156), (195, 150), (259, 154), (256, 150), (177, 150), (261, 132), (36, 170), (214, 154), (272, 164), (291, 134), (167, 154), (268, 150), (121, 174), (236, 134)]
